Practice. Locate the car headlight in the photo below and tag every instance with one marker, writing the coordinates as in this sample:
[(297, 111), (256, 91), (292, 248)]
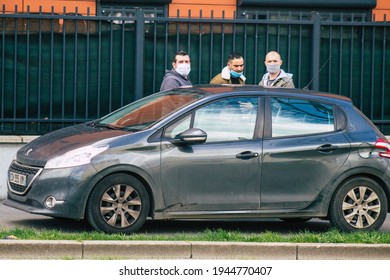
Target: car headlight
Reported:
[(75, 157)]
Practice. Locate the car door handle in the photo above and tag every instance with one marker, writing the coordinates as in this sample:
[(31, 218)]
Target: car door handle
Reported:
[(247, 155), (327, 148)]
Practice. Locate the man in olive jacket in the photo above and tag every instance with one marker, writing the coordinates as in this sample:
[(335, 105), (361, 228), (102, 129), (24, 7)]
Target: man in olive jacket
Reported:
[(233, 72)]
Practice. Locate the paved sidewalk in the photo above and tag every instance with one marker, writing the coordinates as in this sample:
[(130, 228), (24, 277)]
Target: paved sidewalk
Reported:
[(27, 249)]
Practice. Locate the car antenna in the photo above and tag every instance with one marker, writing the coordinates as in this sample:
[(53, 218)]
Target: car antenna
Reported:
[(307, 86)]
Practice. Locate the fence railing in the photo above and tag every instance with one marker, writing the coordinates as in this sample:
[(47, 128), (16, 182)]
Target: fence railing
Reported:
[(58, 70)]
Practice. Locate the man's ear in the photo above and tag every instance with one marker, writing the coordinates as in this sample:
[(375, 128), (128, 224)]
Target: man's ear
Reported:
[(173, 65)]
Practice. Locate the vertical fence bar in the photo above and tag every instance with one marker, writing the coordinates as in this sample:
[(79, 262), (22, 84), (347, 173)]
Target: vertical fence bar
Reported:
[(362, 80), (372, 91), (63, 80), (383, 74), (330, 57), (122, 70), (223, 45), (341, 60), (316, 45), (256, 51), (110, 75), (99, 69), (139, 55), (15, 66), (87, 57), (75, 69), (189, 34), (289, 47), (27, 80), (351, 66), (2, 67), (51, 70), (300, 56), (200, 48), (39, 67), (211, 44)]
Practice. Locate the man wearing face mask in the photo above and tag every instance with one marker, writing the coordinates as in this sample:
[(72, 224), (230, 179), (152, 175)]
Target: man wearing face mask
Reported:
[(233, 72), (275, 77), (178, 76)]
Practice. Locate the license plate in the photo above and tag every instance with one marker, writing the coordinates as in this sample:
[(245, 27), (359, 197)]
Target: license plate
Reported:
[(18, 179)]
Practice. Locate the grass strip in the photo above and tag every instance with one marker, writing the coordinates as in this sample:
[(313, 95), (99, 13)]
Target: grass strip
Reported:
[(217, 235)]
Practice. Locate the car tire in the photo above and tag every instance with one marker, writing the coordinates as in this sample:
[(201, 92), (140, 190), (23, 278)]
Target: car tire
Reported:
[(119, 203), (359, 204)]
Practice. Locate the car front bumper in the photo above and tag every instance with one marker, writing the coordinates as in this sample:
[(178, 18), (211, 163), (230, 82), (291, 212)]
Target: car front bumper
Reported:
[(67, 188)]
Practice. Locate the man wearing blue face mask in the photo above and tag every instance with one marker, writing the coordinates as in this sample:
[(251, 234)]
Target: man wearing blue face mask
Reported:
[(178, 76), (275, 77), (233, 73)]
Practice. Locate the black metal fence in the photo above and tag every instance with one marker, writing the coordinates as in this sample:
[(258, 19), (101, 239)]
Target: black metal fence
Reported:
[(58, 70)]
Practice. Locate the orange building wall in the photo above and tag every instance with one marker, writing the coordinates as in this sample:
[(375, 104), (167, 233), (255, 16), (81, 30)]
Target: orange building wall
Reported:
[(382, 8), (58, 5), (184, 6), (207, 6)]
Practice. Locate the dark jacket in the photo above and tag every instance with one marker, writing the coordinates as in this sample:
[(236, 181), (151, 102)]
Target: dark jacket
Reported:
[(172, 79)]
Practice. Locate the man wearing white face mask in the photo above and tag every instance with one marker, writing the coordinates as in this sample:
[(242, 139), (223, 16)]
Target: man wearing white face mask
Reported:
[(178, 76), (275, 76)]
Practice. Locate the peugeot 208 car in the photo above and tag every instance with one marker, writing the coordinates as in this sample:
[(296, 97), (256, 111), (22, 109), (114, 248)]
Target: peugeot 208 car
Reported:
[(211, 152)]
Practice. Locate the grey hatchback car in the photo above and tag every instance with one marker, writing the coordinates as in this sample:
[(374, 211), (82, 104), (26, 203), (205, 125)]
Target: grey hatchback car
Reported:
[(211, 152)]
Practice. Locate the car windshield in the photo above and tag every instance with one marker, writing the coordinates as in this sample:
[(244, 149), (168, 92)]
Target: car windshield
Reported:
[(144, 112)]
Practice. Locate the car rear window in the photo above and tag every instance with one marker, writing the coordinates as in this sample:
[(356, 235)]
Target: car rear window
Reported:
[(298, 116)]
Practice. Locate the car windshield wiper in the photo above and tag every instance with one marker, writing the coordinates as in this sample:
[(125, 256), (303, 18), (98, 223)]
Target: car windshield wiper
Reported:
[(107, 125)]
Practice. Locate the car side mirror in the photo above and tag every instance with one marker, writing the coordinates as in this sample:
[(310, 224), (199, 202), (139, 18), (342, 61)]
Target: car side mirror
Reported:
[(191, 136)]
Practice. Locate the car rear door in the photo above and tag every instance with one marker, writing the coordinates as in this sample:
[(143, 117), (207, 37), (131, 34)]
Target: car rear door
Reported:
[(302, 151)]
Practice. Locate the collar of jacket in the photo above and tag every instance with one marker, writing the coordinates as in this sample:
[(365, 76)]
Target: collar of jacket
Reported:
[(226, 74), (281, 75)]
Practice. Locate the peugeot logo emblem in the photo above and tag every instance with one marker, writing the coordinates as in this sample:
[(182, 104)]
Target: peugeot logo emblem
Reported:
[(28, 152)]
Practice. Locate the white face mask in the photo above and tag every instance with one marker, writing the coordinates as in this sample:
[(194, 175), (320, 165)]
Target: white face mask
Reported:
[(273, 68), (183, 69)]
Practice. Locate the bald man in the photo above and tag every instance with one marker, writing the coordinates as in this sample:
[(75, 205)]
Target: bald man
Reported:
[(275, 76)]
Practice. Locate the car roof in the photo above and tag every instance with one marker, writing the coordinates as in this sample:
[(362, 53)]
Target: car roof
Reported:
[(211, 89)]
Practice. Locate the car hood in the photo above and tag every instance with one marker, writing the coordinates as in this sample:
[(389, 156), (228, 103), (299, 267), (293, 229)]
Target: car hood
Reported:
[(41, 149)]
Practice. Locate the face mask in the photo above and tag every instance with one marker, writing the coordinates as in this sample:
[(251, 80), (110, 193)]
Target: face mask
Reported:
[(273, 68), (183, 69), (235, 74)]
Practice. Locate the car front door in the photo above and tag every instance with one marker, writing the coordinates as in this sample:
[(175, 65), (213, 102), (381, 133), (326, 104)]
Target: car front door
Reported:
[(302, 153), (224, 172)]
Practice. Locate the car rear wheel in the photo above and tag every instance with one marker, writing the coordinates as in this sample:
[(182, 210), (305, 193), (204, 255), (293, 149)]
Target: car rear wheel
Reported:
[(118, 204), (359, 204)]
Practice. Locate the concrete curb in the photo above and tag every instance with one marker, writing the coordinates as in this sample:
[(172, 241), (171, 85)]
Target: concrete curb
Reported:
[(36, 249)]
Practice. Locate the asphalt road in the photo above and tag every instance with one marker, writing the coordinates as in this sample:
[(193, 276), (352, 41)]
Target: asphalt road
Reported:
[(13, 218)]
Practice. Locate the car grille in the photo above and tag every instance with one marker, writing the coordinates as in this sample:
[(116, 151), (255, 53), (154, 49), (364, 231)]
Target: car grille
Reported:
[(30, 172)]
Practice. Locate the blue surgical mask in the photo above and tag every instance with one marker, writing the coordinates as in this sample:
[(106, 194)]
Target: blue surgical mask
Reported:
[(235, 74)]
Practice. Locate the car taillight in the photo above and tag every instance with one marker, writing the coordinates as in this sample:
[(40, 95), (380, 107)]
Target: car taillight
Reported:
[(383, 144)]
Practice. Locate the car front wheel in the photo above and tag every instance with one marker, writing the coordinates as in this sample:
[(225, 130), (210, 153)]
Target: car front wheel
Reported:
[(118, 204), (357, 205)]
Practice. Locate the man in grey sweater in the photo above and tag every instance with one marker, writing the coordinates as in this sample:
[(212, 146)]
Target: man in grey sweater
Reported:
[(178, 76)]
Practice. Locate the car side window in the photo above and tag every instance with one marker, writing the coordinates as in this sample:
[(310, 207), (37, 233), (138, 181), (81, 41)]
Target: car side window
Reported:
[(231, 119), (297, 117)]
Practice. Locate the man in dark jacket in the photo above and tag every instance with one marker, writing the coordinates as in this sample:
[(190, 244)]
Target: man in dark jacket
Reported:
[(178, 76)]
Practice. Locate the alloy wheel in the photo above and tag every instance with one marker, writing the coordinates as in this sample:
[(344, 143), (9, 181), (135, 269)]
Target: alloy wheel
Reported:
[(361, 207)]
